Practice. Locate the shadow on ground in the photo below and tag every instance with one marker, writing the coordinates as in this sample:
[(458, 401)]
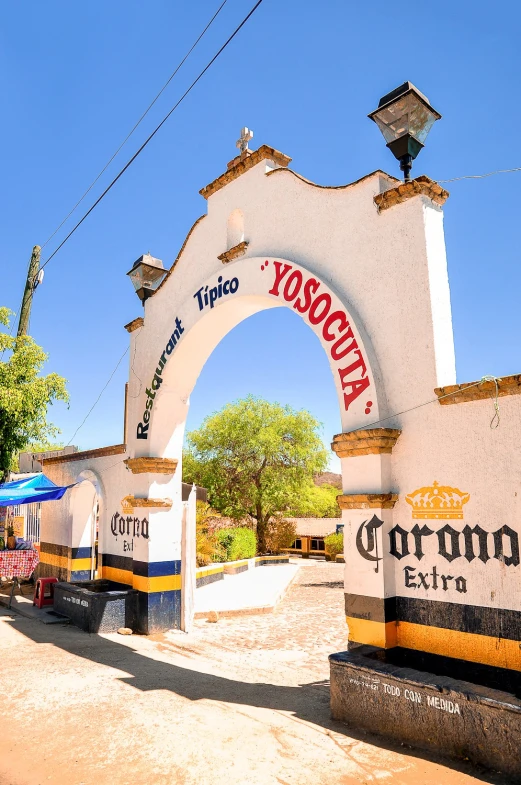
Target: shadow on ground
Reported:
[(307, 702)]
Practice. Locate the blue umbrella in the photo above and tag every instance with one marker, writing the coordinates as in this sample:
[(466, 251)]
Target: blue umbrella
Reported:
[(31, 489)]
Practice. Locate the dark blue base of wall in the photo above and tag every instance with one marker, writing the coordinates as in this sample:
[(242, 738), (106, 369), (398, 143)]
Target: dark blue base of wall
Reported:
[(267, 562), (158, 611), (430, 710)]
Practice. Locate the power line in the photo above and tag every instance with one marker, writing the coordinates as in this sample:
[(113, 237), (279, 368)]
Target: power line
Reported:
[(154, 132), (98, 398), (147, 110), (435, 400), (479, 176)]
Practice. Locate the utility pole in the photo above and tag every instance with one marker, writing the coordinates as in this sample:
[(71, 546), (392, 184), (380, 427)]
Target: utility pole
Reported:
[(30, 285)]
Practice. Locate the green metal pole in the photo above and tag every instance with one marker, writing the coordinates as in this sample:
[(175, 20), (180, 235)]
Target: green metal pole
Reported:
[(25, 311)]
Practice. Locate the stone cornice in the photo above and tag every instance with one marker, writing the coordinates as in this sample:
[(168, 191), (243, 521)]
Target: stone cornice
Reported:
[(367, 501), (134, 502), (478, 391), (148, 465), (373, 441), (421, 186), (135, 324), (116, 449), (241, 164), (178, 257), (234, 253), (344, 187)]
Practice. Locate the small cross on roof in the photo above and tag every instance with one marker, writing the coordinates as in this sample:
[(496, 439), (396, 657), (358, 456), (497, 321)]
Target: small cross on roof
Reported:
[(245, 137)]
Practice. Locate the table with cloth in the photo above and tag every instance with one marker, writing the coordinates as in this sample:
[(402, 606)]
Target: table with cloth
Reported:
[(16, 565)]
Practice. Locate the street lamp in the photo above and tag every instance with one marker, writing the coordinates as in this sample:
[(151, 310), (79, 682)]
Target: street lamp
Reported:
[(146, 275), (405, 117)]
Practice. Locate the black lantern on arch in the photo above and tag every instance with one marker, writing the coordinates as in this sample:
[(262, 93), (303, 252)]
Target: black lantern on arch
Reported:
[(405, 117), (147, 274)]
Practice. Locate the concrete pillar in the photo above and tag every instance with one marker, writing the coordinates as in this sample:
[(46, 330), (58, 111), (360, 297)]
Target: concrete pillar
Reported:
[(366, 505), (156, 562), (188, 556)]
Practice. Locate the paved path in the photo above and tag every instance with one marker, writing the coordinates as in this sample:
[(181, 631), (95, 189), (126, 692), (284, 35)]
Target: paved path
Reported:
[(305, 628), (258, 588), (240, 702)]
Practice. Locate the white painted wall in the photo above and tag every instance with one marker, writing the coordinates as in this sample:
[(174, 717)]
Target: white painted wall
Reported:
[(387, 272)]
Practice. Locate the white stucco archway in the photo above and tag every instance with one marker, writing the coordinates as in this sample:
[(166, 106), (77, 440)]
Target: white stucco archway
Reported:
[(371, 282), (217, 306), (183, 326)]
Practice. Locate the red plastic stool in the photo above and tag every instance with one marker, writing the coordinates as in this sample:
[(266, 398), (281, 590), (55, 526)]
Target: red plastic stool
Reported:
[(44, 592)]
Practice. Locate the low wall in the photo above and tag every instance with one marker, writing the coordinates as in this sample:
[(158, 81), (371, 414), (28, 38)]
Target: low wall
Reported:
[(261, 561), (96, 606), (235, 567), (430, 711), (205, 575)]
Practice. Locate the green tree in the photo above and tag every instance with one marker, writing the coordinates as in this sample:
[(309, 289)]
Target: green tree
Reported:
[(319, 502), (44, 446), (256, 459), (25, 395), (206, 545), (334, 544)]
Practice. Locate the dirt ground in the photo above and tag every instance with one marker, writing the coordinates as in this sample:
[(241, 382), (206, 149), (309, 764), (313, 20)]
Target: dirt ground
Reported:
[(241, 701)]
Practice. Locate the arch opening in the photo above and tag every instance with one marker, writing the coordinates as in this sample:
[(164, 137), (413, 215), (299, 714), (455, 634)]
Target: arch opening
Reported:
[(86, 510), (224, 301)]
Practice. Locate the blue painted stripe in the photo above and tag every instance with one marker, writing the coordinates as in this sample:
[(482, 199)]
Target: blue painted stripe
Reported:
[(80, 575), (159, 611), (118, 562), (81, 553), (156, 569)]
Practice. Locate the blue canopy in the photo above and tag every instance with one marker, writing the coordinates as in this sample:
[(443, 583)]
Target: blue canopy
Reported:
[(33, 489)]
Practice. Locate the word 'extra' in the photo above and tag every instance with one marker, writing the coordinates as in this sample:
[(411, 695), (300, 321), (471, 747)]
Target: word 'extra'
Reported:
[(433, 580), (207, 297), (143, 426), (336, 329)]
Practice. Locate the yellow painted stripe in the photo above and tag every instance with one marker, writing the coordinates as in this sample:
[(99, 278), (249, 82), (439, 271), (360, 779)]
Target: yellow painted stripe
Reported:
[(164, 583), (140, 582), (484, 649), (372, 633), (54, 561), (119, 576), (202, 572), (81, 564), (281, 556)]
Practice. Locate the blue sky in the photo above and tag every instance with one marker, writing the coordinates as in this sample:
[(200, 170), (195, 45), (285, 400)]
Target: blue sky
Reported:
[(303, 75)]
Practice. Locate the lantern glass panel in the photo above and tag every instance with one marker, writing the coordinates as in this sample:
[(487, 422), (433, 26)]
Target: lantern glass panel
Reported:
[(406, 115), (146, 276)]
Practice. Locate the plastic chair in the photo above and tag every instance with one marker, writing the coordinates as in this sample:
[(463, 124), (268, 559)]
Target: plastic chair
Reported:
[(44, 592)]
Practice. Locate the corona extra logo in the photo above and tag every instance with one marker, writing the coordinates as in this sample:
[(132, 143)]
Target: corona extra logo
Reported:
[(440, 502), (126, 505)]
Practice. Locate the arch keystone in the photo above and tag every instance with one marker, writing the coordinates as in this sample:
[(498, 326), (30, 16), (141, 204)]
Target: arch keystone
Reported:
[(373, 441), (234, 253), (149, 465), (367, 501), (157, 503)]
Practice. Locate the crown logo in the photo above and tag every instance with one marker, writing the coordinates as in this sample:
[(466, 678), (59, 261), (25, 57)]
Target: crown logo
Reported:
[(126, 504), (437, 501)]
